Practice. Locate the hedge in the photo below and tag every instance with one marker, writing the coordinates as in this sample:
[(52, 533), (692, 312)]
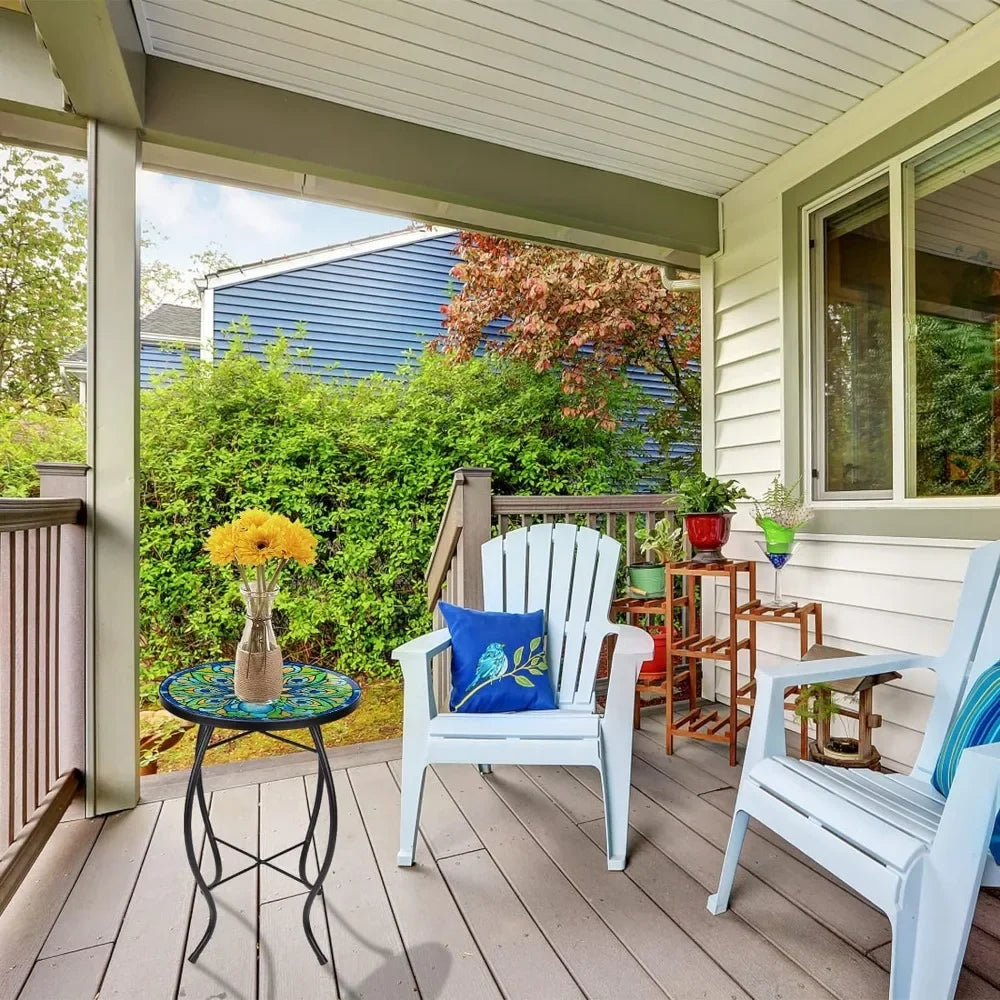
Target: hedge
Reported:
[(367, 467)]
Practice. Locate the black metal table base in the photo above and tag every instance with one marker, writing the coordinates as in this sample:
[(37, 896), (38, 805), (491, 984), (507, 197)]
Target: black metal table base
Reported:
[(196, 790)]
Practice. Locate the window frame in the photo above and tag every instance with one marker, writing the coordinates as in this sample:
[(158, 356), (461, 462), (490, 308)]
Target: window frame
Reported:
[(899, 170)]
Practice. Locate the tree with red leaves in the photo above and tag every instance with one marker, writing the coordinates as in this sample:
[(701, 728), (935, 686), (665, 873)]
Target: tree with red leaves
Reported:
[(592, 316)]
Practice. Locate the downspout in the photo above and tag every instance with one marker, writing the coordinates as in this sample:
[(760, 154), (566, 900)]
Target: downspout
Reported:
[(668, 275)]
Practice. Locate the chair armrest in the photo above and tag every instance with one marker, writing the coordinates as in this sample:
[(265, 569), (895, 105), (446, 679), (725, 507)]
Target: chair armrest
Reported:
[(767, 731), (839, 668), (424, 648), (632, 642), (632, 648)]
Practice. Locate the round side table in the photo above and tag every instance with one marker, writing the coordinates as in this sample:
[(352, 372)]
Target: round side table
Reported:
[(312, 697)]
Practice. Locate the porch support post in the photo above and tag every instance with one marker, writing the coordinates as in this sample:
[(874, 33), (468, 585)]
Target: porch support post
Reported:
[(112, 771)]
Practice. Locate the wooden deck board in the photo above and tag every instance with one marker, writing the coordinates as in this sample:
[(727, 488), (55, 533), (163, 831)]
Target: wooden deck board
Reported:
[(510, 896), (94, 910)]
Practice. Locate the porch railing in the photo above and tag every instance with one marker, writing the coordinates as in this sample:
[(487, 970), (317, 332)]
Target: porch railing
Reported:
[(473, 514), (42, 606)]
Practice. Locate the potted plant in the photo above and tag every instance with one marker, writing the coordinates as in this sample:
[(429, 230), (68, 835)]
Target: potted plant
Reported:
[(779, 513), (665, 543), (707, 505)]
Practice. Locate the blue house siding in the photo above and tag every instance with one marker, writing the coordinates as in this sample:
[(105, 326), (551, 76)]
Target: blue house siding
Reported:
[(155, 360), (363, 313)]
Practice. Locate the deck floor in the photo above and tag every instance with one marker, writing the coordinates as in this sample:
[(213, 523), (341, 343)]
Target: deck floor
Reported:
[(510, 896)]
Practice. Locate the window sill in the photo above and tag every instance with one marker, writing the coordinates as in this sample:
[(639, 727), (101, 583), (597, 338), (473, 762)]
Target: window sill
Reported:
[(973, 519)]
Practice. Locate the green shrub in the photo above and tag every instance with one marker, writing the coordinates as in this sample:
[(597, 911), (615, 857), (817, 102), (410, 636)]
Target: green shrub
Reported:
[(366, 467), (29, 435)]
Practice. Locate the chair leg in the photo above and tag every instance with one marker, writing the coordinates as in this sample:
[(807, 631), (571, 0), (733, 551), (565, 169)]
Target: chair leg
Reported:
[(718, 902), (411, 792), (616, 778), (485, 768)]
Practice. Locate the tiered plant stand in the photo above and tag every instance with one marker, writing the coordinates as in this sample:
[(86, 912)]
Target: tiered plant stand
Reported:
[(685, 655), (756, 614), (656, 607)]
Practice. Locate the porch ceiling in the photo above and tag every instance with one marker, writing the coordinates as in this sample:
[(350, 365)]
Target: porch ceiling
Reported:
[(694, 94)]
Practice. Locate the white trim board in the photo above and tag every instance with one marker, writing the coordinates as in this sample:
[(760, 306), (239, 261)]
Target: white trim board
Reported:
[(325, 255)]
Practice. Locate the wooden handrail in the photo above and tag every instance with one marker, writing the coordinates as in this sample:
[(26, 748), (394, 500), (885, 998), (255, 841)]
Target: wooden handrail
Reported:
[(447, 539), (632, 503), (42, 512)]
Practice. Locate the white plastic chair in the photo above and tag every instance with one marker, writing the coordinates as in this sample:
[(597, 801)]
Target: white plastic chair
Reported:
[(892, 838), (570, 572)]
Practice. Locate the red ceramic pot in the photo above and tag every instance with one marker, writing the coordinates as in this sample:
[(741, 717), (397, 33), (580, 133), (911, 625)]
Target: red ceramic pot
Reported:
[(658, 663), (707, 534)]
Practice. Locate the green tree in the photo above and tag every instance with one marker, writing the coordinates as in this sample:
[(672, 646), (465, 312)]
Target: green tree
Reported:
[(42, 277)]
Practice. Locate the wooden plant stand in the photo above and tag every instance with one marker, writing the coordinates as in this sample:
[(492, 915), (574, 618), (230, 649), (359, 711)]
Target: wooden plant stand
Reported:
[(648, 607), (756, 614), (684, 655)]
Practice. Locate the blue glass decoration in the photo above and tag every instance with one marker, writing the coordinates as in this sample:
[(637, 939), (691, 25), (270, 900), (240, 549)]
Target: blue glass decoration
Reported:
[(778, 560)]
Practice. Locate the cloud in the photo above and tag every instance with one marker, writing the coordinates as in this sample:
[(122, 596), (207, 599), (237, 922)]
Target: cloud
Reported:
[(166, 203), (257, 214)]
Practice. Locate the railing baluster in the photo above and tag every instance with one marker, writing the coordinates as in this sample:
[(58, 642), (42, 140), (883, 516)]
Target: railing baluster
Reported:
[(57, 769), (11, 540)]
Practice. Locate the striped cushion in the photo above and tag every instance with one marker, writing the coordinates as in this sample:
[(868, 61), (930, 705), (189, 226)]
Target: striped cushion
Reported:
[(977, 723)]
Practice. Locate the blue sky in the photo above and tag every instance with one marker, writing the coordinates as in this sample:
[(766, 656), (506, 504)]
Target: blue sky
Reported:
[(189, 215)]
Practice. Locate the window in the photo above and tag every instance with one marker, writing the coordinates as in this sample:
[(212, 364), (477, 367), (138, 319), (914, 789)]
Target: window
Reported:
[(906, 328)]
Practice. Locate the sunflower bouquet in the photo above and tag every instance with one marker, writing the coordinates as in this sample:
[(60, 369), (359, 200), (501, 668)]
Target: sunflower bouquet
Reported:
[(260, 545)]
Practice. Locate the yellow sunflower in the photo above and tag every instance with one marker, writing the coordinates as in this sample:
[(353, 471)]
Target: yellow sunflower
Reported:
[(299, 543), (252, 518), (256, 544), (221, 543)]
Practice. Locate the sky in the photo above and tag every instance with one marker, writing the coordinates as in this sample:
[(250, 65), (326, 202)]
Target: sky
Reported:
[(189, 215)]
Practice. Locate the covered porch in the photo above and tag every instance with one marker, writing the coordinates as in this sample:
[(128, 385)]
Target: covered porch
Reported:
[(635, 137), (510, 896)]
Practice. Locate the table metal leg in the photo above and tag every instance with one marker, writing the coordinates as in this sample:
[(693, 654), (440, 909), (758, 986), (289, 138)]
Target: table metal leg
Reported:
[(195, 790), (209, 831), (324, 783)]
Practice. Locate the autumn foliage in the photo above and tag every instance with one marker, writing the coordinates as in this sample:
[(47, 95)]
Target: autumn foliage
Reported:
[(593, 316)]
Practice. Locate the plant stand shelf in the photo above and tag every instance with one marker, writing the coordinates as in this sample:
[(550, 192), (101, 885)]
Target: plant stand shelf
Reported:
[(686, 653), (757, 613)]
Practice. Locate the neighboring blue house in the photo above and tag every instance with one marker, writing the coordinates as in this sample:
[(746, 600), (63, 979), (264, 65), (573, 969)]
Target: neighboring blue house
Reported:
[(364, 304), (166, 333)]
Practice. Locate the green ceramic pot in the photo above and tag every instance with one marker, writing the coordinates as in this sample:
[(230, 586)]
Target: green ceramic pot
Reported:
[(779, 539), (647, 580)]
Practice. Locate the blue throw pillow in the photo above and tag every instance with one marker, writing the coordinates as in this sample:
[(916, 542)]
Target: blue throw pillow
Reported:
[(497, 661), (977, 723)]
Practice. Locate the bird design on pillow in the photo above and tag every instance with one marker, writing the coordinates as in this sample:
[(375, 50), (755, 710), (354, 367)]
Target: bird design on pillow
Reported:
[(492, 664)]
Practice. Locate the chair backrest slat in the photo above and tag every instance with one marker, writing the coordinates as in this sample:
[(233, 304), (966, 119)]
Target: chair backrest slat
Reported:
[(569, 572), (974, 645), (560, 580)]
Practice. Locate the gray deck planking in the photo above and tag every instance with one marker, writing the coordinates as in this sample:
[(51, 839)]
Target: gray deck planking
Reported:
[(510, 896)]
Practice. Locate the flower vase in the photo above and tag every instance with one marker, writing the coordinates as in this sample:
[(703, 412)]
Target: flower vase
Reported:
[(778, 559), (259, 674)]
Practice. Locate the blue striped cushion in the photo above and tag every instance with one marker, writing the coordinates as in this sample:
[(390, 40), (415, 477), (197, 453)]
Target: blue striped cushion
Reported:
[(977, 723)]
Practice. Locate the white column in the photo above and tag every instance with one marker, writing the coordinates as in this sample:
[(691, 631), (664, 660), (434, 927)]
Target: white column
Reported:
[(113, 442)]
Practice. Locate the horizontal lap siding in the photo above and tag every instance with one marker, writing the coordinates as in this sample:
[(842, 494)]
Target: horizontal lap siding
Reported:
[(877, 595), (155, 360), (364, 314)]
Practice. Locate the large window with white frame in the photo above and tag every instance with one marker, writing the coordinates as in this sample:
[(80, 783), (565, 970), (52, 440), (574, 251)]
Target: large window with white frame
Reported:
[(905, 328)]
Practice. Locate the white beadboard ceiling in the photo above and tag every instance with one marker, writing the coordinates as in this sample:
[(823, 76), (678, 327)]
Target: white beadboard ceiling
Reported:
[(695, 94)]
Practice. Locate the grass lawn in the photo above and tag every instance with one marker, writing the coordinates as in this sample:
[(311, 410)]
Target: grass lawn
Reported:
[(378, 717)]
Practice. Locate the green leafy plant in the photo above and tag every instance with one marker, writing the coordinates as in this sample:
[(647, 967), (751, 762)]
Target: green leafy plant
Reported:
[(784, 505), (30, 434), (367, 466), (663, 541), (698, 493), (814, 703)]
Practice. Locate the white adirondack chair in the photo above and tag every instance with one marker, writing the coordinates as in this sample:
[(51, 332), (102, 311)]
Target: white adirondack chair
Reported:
[(892, 838), (570, 572)]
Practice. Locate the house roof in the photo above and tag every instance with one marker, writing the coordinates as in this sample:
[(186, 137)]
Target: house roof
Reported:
[(172, 322), (321, 255)]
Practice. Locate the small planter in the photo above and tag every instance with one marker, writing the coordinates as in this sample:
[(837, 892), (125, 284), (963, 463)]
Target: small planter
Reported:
[(707, 534), (779, 539), (658, 663), (647, 580)]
